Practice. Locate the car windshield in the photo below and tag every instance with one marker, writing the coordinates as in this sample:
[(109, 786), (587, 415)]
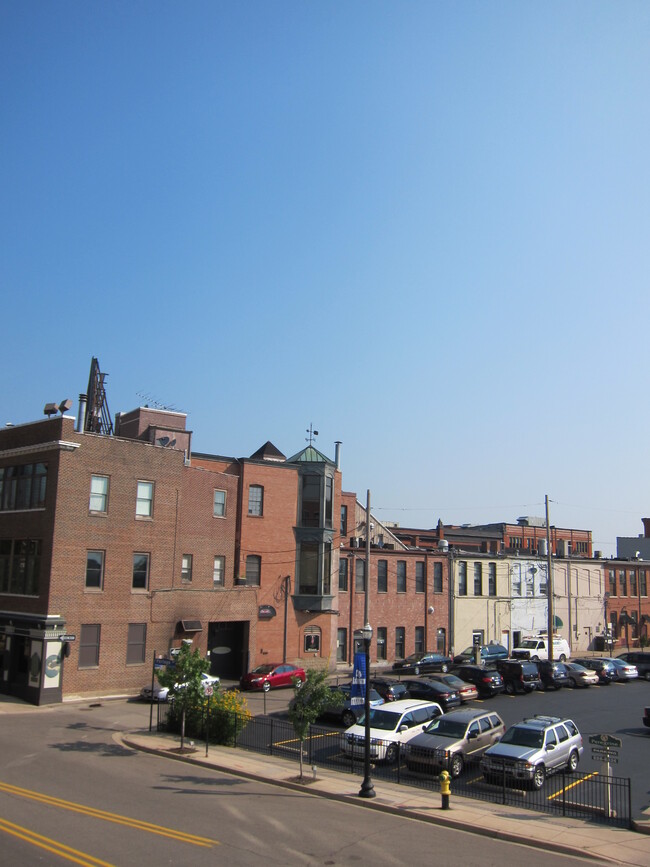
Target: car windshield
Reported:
[(520, 736), (446, 728), (452, 680), (263, 669), (383, 720), (528, 642)]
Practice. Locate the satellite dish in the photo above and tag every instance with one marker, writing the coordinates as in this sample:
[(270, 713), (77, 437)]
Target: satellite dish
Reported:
[(162, 441)]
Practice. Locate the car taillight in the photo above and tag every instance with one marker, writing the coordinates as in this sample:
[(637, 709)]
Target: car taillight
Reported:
[(486, 679)]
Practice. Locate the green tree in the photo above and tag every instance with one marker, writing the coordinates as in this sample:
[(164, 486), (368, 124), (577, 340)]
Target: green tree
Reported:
[(183, 681), (310, 702)]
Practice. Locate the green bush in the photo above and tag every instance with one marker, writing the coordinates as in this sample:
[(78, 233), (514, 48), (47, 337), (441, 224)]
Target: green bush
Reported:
[(226, 712)]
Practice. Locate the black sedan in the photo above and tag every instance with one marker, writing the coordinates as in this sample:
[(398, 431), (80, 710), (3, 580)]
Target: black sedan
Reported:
[(419, 663), (432, 690)]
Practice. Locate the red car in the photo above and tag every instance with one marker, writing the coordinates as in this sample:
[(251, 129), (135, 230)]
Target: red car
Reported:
[(267, 677)]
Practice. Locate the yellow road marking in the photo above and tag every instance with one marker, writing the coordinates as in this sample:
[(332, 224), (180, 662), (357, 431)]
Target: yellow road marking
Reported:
[(95, 813), (53, 846), (571, 786)]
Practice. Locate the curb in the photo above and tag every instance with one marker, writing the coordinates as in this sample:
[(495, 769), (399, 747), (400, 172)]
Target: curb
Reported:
[(403, 811)]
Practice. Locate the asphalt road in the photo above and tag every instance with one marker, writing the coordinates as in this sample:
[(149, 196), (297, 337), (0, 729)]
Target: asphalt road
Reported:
[(70, 794)]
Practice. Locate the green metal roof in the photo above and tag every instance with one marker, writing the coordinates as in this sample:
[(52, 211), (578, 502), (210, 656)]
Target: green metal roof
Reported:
[(309, 455)]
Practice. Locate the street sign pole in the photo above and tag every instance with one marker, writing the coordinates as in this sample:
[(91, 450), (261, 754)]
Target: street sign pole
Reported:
[(605, 748), (208, 690), (153, 675)]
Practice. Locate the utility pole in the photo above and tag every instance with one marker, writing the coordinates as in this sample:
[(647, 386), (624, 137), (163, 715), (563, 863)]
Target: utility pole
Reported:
[(549, 585)]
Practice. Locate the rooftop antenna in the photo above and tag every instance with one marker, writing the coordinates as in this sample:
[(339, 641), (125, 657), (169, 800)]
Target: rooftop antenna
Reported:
[(312, 434), (151, 401)]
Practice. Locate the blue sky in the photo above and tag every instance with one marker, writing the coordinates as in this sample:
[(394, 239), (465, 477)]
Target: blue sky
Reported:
[(421, 226)]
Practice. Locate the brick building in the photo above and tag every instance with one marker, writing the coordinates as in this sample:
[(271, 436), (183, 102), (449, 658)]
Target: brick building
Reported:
[(527, 537), (408, 590), (118, 544)]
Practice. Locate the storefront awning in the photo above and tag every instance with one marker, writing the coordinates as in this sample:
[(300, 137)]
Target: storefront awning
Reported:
[(557, 622)]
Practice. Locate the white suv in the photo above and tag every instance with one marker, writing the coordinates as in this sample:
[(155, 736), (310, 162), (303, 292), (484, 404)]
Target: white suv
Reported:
[(391, 724), (532, 748)]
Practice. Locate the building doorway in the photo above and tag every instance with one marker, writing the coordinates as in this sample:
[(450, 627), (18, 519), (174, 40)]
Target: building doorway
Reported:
[(228, 649)]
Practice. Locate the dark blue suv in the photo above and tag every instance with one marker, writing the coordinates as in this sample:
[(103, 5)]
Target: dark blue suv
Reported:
[(489, 654)]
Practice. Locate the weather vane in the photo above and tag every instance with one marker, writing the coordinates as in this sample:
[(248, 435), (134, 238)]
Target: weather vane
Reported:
[(312, 434)]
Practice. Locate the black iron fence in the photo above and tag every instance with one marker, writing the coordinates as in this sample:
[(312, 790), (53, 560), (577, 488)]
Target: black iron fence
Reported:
[(588, 796)]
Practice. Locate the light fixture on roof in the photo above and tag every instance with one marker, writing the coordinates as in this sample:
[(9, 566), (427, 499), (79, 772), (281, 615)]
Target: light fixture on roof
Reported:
[(51, 409)]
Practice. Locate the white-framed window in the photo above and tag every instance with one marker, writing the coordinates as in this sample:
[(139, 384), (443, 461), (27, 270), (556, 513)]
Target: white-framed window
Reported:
[(140, 575), (98, 494), (219, 571), (186, 568), (144, 500), (94, 570), (219, 504), (256, 500)]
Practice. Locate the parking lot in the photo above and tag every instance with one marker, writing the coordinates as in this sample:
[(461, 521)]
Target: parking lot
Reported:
[(614, 709)]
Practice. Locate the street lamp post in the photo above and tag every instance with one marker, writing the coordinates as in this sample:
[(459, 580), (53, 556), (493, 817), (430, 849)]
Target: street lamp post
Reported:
[(367, 789)]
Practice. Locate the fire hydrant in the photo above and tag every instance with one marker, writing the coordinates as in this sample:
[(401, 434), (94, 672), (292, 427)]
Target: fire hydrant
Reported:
[(445, 788)]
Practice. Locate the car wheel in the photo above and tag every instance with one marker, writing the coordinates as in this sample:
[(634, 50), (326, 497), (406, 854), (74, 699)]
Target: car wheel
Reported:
[(391, 754), (539, 776), (563, 657), (267, 686), (298, 683), (510, 687), (416, 670), (456, 765), (534, 658), (647, 675), (348, 718), (574, 760), (444, 668)]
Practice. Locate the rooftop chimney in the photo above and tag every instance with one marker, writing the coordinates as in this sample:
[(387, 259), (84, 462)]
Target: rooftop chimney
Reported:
[(646, 527)]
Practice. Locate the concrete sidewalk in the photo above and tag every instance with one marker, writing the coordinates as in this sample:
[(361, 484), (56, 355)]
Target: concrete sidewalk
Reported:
[(554, 834)]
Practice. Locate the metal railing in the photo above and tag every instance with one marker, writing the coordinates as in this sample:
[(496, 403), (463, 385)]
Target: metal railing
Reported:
[(584, 795)]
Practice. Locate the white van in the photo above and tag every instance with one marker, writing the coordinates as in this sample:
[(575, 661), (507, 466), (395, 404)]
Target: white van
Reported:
[(536, 647)]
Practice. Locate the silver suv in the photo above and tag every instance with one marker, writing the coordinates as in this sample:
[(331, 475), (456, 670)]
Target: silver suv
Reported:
[(454, 739), (533, 748)]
